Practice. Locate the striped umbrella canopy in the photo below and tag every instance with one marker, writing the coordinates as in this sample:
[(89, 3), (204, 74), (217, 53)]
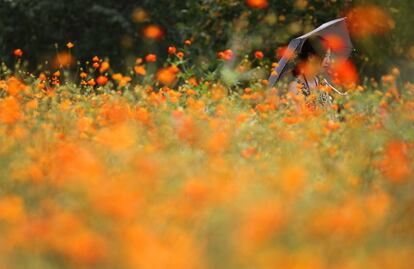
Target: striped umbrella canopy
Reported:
[(333, 34)]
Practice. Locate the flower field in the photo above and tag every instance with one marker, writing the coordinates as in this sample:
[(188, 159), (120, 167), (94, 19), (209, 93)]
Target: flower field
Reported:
[(121, 174), (152, 155)]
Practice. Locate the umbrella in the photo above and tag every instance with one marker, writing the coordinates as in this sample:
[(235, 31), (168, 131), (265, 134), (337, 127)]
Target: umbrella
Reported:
[(335, 36)]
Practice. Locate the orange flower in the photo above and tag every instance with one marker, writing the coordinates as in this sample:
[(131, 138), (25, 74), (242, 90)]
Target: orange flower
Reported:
[(249, 152), (70, 45), (104, 66), (301, 4), (285, 52), (11, 208), (65, 105), (122, 80), (241, 118), (139, 15), (73, 239), (41, 85), (140, 70), (15, 86), (345, 73), (114, 113), (396, 162), (185, 127), (117, 138), (83, 74), (142, 115), (378, 205), (395, 71), (138, 60), (348, 220), (258, 55), (226, 55), (42, 77), (369, 20), (217, 142), (218, 91), (32, 104), (174, 69), (196, 191), (18, 53), (63, 59), (180, 55), (10, 110), (293, 179), (192, 81), (91, 82), (117, 76), (153, 32), (261, 221), (71, 161), (101, 80), (174, 248), (332, 126), (167, 75), (257, 3), (187, 42), (110, 199), (334, 42), (172, 50), (292, 120), (151, 58), (190, 92)]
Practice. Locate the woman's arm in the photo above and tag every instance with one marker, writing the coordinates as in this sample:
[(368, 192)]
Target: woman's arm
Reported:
[(293, 87)]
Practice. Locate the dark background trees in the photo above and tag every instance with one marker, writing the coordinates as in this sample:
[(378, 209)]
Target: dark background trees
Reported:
[(111, 28)]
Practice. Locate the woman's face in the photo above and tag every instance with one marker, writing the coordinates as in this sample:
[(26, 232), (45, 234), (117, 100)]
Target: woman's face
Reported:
[(315, 65), (327, 61), (312, 66)]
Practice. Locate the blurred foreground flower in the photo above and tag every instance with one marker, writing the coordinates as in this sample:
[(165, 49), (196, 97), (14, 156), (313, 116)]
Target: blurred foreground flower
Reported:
[(396, 162), (139, 15), (259, 4), (369, 20), (63, 59), (344, 73), (154, 32)]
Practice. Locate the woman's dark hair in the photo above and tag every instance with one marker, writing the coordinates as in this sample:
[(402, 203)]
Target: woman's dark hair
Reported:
[(311, 47)]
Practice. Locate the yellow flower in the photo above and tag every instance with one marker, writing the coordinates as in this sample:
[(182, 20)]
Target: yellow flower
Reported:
[(70, 45)]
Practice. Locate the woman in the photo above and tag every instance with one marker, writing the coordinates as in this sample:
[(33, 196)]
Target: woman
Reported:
[(312, 63)]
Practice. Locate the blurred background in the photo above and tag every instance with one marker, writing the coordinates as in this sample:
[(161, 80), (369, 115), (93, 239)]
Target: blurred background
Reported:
[(124, 30)]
